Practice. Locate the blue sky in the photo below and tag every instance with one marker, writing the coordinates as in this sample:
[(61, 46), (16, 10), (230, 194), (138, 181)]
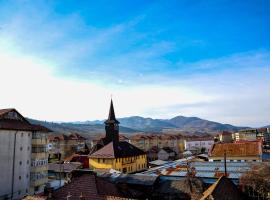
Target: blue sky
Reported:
[(209, 59)]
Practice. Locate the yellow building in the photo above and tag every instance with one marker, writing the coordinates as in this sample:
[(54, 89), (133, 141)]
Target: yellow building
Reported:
[(115, 154)]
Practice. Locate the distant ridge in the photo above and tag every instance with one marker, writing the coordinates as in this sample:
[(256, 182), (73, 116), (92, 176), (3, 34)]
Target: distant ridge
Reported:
[(135, 124)]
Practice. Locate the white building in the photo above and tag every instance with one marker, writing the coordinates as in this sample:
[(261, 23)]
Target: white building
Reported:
[(15, 154), (198, 145)]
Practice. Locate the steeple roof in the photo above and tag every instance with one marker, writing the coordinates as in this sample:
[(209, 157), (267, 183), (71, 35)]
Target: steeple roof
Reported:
[(111, 117)]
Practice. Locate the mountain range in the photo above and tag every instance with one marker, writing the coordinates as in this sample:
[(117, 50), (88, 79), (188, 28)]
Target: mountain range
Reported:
[(136, 124)]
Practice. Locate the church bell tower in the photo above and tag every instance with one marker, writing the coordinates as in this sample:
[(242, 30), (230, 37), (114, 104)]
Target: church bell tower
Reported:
[(112, 127)]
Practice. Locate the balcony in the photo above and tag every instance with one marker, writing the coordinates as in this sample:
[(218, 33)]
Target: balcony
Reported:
[(39, 155), (39, 141), (38, 182), (40, 168)]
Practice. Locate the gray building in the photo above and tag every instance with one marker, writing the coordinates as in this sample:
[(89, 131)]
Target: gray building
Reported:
[(15, 154)]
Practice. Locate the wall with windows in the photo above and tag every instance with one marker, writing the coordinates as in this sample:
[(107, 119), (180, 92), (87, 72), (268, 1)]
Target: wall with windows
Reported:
[(198, 144), (39, 162), (125, 165), (15, 154)]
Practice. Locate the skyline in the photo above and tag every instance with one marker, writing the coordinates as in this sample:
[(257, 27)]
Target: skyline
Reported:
[(61, 61)]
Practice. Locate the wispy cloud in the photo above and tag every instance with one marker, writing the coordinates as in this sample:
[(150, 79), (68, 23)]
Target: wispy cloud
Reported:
[(56, 58)]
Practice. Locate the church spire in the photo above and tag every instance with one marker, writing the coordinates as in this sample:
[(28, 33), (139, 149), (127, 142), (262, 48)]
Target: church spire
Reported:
[(111, 117), (111, 127)]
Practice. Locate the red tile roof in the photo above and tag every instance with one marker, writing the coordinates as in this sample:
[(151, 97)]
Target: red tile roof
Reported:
[(237, 149)]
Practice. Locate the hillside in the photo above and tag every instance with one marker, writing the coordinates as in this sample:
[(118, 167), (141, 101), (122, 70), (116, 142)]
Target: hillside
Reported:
[(87, 130), (135, 124)]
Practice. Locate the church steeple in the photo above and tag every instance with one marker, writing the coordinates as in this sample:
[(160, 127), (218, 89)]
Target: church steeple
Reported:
[(111, 126), (111, 117)]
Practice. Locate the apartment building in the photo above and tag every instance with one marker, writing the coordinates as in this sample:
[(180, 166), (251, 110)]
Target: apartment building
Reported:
[(262, 134), (39, 161), (198, 145), (17, 153), (147, 142), (246, 135), (62, 146)]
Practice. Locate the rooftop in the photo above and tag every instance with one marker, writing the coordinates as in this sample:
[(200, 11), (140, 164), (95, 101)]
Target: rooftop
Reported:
[(236, 149), (11, 119), (117, 150)]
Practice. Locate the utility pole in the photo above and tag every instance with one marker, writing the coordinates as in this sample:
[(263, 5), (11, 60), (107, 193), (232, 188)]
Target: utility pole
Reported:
[(225, 163)]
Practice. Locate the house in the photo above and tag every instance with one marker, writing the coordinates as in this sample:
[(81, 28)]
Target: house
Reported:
[(61, 146), (222, 189), (115, 154), (166, 153), (152, 154), (238, 151), (24, 154), (62, 171), (198, 145), (225, 136)]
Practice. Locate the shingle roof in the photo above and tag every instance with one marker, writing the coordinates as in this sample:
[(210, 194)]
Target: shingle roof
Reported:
[(117, 150), (90, 187)]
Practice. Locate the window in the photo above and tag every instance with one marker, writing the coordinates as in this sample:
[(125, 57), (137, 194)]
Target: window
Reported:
[(19, 192), (26, 191), (20, 177), (36, 188), (20, 162), (21, 134), (103, 160), (21, 148), (98, 160)]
